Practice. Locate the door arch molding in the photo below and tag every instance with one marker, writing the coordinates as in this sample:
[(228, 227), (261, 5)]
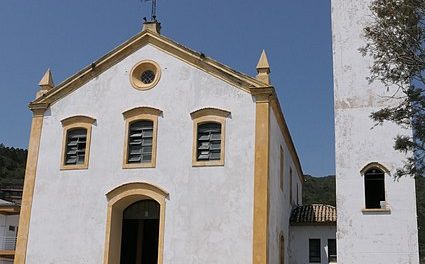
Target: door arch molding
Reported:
[(119, 199)]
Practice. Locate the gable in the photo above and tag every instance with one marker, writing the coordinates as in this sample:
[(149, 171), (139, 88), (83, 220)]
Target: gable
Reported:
[(135, 43)]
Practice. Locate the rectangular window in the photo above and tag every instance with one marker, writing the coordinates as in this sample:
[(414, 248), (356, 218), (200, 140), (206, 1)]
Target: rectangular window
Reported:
[(140, 138), (290, 186), (298, 195), (282, 168), (11, 228), (75, 146), (314, 251), (332, 250), (209, 141), (282, 249)]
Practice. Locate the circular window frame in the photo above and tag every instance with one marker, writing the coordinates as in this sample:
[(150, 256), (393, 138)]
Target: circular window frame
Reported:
[(138, 69)]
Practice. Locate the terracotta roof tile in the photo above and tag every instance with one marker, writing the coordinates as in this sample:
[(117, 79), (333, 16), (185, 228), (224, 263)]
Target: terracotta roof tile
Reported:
[(314, 214)]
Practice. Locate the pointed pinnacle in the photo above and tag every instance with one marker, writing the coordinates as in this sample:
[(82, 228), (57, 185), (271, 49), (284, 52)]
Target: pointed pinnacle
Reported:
[(47, 80), (263, 63)]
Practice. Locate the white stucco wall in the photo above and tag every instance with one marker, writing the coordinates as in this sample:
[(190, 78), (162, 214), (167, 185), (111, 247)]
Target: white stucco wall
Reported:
[(299, 242), (373, 237), (280, 206), (209, 212)]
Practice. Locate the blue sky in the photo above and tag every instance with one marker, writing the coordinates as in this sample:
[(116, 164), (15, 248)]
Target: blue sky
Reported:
[(68, 35)]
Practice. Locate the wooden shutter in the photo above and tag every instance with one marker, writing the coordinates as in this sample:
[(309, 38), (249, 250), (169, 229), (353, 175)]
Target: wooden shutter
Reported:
[(76, 146), (140, 139), (209, 141)]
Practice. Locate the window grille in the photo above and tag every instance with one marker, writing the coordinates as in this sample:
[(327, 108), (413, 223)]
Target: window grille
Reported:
[(140, 139), (147, 77), (76, 146), (209, 142)]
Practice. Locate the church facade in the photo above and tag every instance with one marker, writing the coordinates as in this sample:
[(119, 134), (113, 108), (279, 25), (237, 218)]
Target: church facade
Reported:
[(158, 154)]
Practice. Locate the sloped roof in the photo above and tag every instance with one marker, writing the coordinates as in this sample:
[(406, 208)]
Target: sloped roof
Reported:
[(313, 214), (239, 80)]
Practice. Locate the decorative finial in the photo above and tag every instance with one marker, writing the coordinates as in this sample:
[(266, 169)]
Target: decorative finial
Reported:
[(263, 69), (46, 83), (153, 24)]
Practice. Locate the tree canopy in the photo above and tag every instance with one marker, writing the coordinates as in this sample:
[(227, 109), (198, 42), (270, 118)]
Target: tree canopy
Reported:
[(396, 42)]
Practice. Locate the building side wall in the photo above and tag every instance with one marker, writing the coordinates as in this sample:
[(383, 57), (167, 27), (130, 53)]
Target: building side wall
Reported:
[(299, 242), (280, 205), (209, 210), (378, 237)]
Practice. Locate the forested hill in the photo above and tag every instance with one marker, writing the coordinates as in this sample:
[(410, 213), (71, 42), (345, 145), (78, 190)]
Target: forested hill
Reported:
[(322, 190), (12, 165), (316, 190)]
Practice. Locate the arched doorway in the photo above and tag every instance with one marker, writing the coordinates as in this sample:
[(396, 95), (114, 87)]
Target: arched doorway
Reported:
[(140, 230), (130, 202)]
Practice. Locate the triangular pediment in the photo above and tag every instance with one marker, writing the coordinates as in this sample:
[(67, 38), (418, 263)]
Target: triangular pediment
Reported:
[(196, 59)]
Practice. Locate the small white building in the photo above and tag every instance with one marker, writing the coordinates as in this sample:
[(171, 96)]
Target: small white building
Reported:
[(156, 153), (312, 234)]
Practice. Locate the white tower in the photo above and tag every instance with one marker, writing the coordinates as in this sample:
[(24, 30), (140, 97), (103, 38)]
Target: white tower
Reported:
[(376, 220)]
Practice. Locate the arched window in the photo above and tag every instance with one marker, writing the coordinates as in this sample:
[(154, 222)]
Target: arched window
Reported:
[(208, 141), (140, 137), (76, 142), (208, 136), (75, 151), (374, 183)]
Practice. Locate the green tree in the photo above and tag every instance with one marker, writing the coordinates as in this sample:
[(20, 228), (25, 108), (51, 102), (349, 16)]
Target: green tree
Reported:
[(396, 42)]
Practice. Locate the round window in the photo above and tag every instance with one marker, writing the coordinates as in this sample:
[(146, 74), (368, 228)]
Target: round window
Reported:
[(145, 75)]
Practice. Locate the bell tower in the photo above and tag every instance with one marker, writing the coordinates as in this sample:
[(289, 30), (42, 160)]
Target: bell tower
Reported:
[(376, 220)]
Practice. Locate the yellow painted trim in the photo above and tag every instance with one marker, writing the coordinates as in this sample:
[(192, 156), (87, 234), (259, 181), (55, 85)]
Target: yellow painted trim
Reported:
[(376, 210), (7, 253), (119, 199), (198, 60), (10, 209), (138, 69), (277, 110), (29, 183), (209, 115), (261, 179), (137, 114), (209, 111), (74, 122)]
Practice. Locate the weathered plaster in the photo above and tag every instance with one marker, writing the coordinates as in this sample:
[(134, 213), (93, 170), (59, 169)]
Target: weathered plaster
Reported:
[(209, 212), (280, 206), (366, 237)]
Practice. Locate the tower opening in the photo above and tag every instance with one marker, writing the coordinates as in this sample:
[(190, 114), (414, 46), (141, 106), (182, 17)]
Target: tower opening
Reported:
[(374, 188)]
